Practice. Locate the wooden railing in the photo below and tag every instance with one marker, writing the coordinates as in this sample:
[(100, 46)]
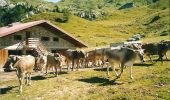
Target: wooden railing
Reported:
[(32, 42)]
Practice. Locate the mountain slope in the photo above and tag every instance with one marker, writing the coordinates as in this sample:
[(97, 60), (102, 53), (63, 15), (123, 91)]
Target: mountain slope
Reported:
[(119, 26)]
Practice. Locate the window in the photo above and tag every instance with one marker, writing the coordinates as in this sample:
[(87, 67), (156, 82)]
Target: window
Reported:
[(45, 38), (17, 37), (55, 39)]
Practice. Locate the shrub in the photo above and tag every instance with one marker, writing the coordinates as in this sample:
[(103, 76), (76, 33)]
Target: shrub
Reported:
[(164, 33)]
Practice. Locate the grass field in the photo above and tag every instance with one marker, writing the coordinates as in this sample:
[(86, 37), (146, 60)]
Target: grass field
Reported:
[(151, 81)]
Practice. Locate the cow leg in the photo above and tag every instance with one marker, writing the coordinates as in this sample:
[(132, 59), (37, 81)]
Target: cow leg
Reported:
[(131, 77), (56, 69), (26, 82), (20, 77), (122, 66), (150, 58), (42, 70), (17, 73), (160, 58), (86, 64), (29, 83), (68, 66), (112, 65), (20, 81), (81, 63), (78, 64), (72, 65), (166, 57), (60, 69), (46, 69), (103, 62), (107, 65), (20, 85)]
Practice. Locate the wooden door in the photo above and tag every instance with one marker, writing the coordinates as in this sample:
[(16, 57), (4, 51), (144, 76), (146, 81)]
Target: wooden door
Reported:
[(3, 57)]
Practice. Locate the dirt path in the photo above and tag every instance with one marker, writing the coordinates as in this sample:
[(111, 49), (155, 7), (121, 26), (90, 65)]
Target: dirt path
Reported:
[(8, 76)]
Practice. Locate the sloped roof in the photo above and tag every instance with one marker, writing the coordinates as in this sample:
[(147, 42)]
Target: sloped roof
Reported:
[(16, 27)]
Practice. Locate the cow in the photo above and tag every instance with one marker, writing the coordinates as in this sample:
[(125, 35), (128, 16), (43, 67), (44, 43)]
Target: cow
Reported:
[(162, 50), (95, 56), (53, 61), (90, 57), (78, 58), (67, 56), (159, 49), (166, 42), (41, 62), (122, 56), (24, 66)]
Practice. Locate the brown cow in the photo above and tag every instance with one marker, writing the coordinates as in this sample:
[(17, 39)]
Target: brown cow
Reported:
[(53, 61), (68, 57), (24, 66), (41, 62), (78, 57), (95, 56)]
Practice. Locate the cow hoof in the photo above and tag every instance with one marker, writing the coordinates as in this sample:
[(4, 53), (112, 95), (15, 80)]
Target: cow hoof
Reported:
[(118, 77), (56, 75), (20, 92)]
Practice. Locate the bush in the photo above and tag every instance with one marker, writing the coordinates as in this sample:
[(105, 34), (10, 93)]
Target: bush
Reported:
[(61, 20), (164, 33), (66, 15)]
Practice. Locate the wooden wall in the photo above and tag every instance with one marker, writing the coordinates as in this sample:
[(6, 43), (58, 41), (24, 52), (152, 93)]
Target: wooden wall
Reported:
[(3, 57), (37, 32)]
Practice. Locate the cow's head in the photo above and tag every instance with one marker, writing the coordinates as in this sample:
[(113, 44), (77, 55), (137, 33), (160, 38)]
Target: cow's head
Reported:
[(40, 63), (140, 53), (14, 59)]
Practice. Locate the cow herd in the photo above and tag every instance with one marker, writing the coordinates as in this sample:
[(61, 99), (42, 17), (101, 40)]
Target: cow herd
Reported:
[(122, 56)]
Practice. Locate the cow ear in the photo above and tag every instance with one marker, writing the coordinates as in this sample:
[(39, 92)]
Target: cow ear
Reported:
[(14, 58), (17, 58), (143, 50), (134, 50)]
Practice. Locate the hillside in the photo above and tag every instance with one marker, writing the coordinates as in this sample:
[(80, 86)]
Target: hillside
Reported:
[(119, 26)]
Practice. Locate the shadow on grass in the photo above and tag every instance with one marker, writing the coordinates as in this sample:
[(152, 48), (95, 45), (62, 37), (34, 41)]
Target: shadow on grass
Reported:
[(160, 60), (101, 81), (144, 64), (38, 78), (53, 75), (102, 69), (59, 73), (6, 89)]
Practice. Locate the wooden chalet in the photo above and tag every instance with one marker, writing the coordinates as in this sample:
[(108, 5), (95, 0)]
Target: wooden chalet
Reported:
[(17, 36)]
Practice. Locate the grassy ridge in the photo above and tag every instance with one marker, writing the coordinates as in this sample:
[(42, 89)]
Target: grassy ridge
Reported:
[(119, 26)]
